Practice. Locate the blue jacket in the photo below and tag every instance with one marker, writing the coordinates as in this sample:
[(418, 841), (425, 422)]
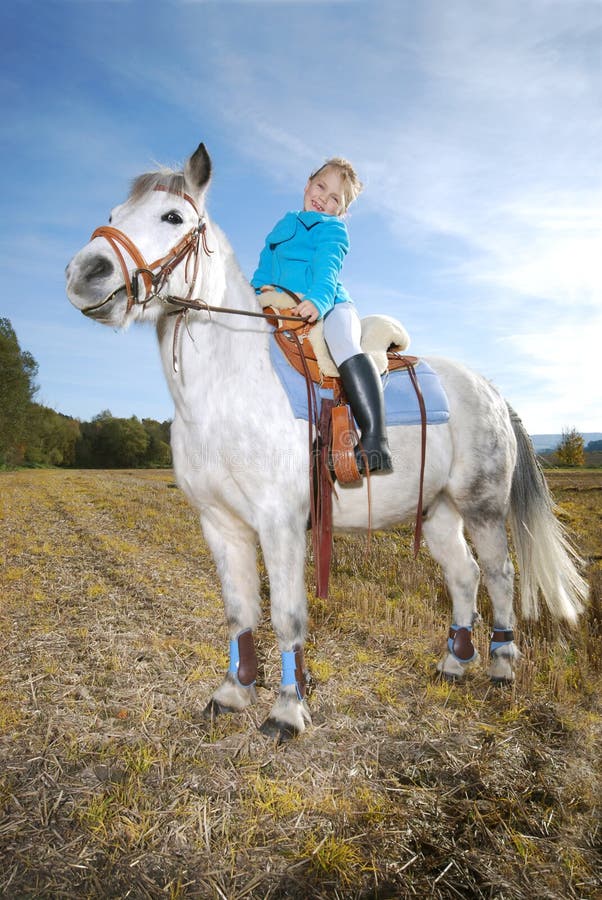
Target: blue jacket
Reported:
[(304, 252)]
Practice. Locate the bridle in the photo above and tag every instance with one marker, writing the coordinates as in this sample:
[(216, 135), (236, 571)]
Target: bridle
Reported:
[(154, 275), (186, 249)]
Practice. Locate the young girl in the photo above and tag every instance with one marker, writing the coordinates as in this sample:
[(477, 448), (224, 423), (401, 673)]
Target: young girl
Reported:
[(304, 253)]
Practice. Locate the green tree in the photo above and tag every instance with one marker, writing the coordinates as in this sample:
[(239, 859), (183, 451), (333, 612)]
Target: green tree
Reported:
[(570, 450), (121, 443), (18, 370), (109, 442), (51, 437), (158, 453)]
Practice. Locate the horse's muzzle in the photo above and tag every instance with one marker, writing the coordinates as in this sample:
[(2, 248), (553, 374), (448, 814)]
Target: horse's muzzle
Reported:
[(92, 282)]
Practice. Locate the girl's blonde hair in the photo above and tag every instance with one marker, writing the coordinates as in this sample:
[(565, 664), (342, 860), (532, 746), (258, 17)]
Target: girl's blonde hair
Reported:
[(352, 186)]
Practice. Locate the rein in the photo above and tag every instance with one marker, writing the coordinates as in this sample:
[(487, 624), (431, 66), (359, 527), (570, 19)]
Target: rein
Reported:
[(201, 306)]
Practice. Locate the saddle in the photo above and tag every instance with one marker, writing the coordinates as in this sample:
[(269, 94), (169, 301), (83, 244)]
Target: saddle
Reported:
[(303, 345), (383, 338)]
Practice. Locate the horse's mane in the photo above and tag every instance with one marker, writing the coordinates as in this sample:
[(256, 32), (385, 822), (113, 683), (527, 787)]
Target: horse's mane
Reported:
[(144, 184)]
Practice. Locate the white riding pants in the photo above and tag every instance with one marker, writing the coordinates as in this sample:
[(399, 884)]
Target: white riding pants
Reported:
[(342, 332)]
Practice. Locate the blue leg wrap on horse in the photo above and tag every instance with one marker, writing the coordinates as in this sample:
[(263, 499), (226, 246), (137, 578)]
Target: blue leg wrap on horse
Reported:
[(234, 658), (289, 672), (459, 644), (500, 637), (247, 666)]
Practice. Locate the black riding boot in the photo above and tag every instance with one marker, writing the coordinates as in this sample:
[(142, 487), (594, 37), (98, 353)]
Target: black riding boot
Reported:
[(365, 394)]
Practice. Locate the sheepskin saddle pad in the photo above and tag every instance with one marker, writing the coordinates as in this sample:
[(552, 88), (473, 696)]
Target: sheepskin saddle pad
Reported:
[(383, 338)]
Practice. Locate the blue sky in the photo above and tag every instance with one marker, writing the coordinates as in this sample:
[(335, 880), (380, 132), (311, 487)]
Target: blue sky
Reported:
[(476, 128)]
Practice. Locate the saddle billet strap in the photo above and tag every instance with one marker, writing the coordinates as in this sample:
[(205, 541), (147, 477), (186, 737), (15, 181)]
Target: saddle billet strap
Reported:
[(316, 500), (322, 533), (419, 511), (397, 361)]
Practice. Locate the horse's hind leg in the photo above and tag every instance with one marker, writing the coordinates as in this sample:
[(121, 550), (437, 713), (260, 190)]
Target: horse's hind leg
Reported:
[(489, 537), (233, 545), (443, 531)]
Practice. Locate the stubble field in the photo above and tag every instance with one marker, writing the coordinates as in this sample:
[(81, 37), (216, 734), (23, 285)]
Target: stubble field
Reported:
[(112, 785)]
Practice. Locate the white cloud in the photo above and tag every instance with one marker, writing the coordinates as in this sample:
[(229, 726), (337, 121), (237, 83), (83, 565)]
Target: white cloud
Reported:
[(559, 374), (495, 145)]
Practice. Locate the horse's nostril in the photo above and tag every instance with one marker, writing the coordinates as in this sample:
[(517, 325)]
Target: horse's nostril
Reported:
[(98, 267)]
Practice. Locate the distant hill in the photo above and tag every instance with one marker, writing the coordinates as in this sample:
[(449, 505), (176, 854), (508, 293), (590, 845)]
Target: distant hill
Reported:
[(543, 442)]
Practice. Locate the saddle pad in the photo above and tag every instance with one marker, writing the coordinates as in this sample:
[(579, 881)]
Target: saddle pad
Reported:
[(401, 403)]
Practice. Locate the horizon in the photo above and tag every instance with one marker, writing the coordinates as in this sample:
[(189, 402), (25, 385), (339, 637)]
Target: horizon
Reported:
[(476, 131)]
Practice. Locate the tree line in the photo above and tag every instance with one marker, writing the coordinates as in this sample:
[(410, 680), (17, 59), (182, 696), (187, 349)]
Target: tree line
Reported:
[(33, 434)]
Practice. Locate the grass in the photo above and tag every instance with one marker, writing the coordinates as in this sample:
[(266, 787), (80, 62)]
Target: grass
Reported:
[(112, 638)]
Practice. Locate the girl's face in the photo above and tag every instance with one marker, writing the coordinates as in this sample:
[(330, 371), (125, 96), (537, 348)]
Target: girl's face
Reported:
[(324, 193)]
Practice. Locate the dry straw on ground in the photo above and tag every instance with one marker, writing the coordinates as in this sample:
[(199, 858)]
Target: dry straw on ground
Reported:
[(111, 785)]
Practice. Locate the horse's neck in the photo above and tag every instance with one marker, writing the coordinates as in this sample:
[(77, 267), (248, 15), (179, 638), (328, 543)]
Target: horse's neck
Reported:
[(218, 349)]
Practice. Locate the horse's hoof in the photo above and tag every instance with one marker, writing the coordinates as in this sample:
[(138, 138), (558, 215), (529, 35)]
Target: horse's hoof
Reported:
[(500, 682), (281, 732), (450, 678), (215, 709)]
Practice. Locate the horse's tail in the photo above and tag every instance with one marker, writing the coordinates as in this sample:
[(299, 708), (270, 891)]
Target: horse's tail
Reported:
[(546, 560)]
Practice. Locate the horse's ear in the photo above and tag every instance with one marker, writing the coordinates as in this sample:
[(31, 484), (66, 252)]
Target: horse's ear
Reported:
[(197, 170)]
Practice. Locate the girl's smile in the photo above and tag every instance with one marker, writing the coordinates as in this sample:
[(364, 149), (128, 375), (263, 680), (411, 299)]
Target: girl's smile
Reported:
[(324, 193)]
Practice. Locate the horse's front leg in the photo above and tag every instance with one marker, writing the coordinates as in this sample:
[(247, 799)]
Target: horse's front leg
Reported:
[(233, 545), (283, 546)]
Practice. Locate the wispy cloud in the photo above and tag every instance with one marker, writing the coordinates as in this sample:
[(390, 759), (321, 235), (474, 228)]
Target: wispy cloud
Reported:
[(498, 149), (562, 364)]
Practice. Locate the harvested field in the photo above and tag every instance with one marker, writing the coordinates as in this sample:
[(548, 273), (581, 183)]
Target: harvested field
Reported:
[(111, 785)]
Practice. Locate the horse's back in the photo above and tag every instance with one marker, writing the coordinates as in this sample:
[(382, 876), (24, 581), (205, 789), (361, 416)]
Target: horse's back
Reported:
[(481, 432)]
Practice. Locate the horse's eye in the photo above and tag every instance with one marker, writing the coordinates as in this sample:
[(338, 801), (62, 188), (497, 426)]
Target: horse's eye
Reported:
[(173, 217)]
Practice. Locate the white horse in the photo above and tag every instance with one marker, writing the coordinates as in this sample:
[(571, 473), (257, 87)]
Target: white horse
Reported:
[(241, 457)]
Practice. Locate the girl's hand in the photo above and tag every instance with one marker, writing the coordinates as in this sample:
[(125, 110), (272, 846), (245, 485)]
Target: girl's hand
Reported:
[(307, 310)]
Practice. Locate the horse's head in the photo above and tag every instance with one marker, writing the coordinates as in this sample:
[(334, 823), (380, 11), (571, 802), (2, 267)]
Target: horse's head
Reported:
[(150, 248)]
